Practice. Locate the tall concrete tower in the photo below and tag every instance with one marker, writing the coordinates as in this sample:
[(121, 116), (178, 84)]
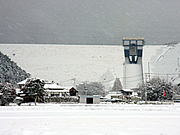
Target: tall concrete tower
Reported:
[(132, 66)]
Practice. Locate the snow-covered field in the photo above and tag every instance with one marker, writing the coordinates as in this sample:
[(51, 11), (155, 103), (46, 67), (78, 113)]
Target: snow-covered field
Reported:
[(80, 119)]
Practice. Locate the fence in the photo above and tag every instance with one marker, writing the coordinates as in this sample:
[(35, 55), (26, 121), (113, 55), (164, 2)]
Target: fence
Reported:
[(62, 99)]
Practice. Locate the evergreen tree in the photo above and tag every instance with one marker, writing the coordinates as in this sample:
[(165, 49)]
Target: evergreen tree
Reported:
[(117, 85), (33, 90)]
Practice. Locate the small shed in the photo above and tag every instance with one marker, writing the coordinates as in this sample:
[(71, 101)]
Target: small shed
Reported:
[(73, 91), (95, 99), (176, 98)]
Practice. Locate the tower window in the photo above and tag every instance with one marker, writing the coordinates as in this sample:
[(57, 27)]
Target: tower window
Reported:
[(133, 50)]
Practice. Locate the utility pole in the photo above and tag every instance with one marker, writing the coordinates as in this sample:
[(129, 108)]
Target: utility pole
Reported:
[(116, 86), (86, 88), (146, 87), (74, 79), (149, 70)]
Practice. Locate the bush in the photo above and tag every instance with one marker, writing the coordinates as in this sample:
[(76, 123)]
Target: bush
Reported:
[(157, 90), (7, 94)]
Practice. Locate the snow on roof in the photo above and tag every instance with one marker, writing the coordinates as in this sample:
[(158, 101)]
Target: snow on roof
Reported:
[(90, 96), (57, 90), (112, 94), (18, 90), (56, 86), (23, 82), (127, 90), (49, 85), (53, 86)]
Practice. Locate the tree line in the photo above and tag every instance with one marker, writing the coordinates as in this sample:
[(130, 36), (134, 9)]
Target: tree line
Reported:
[(156, 89)]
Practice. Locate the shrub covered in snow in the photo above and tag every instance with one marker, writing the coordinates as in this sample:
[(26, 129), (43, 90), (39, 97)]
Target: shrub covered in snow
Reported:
[(157, 90), (7, 93)]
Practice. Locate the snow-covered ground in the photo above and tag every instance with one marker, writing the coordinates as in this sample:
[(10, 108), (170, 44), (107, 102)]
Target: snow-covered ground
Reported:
[(100, 119)]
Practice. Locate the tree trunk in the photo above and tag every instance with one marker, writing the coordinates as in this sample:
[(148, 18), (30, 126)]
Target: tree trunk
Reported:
[(36, 100)]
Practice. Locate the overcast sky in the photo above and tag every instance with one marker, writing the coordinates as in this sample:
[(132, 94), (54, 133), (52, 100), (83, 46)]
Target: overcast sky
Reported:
[(89, 21)]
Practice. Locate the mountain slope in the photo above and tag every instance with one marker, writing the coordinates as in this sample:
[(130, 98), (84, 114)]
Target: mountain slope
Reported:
[(10, 71)]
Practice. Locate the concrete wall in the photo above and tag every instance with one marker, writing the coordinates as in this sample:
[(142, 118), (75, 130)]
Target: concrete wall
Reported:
[(96, 100), (82, 100)]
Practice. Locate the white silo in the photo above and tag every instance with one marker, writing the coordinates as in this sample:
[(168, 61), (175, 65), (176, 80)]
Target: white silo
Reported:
[(132, 66)]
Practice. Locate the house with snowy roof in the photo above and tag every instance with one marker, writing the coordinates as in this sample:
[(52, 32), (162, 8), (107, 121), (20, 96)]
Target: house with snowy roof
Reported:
[(22, 83), (54, 90), (124, 95)]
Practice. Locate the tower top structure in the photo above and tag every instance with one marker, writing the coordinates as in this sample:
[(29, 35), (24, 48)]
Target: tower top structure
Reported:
[(138, 41), (138, 38)]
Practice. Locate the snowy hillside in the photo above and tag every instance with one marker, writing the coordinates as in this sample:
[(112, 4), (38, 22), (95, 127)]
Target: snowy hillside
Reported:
[(9, 71), (61, 63), (166, 63)]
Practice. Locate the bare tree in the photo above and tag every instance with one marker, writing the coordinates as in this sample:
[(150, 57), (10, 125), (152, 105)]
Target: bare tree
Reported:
[(92, 88)]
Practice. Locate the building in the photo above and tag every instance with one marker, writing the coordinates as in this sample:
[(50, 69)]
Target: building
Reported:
[(72, 91), (176, 98), (124, 95), (22, 83), (52, 89), (85, 99), (132, 66), (55, 90), (116, 96)]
